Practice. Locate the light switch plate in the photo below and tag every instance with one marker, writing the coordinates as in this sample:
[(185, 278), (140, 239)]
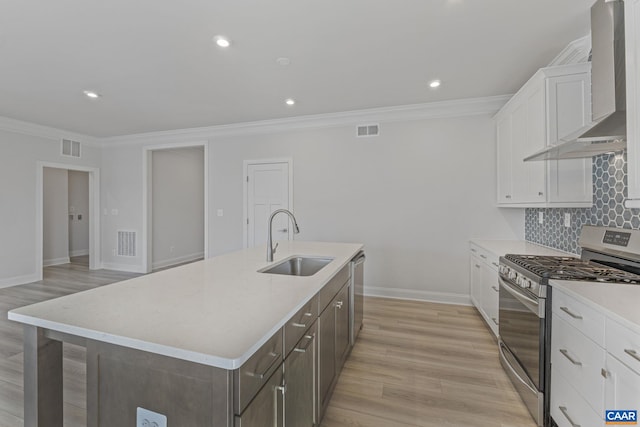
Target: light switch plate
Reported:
[(540, 217), (220, 212), (147, 418), (567, 219)]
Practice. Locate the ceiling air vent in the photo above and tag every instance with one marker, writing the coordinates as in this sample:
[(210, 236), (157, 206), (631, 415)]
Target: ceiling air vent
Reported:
[(368, 130), (70, 148), (126, 243)]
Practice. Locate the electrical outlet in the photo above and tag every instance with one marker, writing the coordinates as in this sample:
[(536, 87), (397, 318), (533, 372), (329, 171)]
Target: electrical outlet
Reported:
[(220, 212), (540, 217), (567, 219), (147, 418)]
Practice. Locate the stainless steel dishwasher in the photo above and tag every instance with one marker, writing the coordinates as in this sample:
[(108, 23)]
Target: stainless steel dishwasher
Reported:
[(356, 306)]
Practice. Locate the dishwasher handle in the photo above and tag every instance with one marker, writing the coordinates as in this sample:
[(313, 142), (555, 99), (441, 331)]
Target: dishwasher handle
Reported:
[(359, 259)]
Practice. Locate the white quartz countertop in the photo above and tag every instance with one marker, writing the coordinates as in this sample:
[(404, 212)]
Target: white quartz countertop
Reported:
[(522, 247), (216, 312), (619, 302)]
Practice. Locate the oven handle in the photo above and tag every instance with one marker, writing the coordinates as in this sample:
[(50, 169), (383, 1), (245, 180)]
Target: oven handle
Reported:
[(509, 361), (528, 302)]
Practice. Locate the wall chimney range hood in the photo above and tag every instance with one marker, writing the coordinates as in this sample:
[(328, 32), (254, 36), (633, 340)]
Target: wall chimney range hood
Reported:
[(608, 133)]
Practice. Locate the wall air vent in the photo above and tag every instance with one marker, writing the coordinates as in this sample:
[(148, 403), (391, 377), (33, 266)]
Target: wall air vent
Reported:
[(368, 130), (70, 148), (126, 243)]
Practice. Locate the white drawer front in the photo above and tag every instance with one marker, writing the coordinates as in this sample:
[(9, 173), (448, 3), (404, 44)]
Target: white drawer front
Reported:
[(568, 407), (587, 320), (624, 344), (580, 361), (489, 258)]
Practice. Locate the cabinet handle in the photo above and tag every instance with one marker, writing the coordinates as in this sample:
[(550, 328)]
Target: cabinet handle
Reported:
[(283, 230), (495, 264), (563, 409), (276, 357), (299, 325), (604, 373), (566, 310), (632, 353), (483, 256), (565, 353), (473, 250), (508, 196), (282, 389), (339, 305), (540, 193), (495, 289), (477, 265), (306, 347), (494, 321)]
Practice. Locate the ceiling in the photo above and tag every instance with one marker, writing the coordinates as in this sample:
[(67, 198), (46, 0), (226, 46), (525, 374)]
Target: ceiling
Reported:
[(156, 67)]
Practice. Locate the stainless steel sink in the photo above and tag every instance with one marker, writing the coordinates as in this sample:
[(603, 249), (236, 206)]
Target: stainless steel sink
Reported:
[(298, 266)]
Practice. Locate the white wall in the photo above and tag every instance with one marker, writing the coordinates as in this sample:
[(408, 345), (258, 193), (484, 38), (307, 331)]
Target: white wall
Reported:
[(177, 205), (19, 156), (79, 203), (55, 223), (414, 196)]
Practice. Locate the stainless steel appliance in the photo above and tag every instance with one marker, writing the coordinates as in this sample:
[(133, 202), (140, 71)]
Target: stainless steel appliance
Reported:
[(608, 255), (356, 300)]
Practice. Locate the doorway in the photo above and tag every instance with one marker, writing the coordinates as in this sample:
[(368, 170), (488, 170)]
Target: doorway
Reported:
[(175, 205), (52, 184), (268, 186)]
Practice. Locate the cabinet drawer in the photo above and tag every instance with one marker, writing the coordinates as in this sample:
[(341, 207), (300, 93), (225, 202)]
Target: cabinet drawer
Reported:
[(299, 323), (250, 377), (486, 256), (624, 344), (330, 290), (584, 318), (568, 407), (580, 360), (266, 409)]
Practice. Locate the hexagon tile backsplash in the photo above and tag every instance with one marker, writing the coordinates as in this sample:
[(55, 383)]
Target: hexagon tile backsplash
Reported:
[(609, 193)]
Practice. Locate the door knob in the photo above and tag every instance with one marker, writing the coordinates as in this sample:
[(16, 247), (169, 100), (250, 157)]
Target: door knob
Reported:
[(284, 230)]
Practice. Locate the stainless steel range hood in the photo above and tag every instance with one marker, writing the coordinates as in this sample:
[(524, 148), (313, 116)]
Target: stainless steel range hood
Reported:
[(608, 90)]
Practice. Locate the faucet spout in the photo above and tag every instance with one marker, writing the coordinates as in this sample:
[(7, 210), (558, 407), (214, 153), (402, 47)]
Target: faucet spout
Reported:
[(270, 248)]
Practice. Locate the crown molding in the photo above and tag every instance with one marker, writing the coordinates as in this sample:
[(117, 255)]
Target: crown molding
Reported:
[(17, 126), (576, 52), (433, 110)]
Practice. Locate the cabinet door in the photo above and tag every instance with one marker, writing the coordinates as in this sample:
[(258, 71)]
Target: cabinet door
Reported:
[(342, 326), (490, 296), (475, 281), (632, 46), (265, 410), (622, 386), (326, 356), (299, 373), (505, 190), (569, 109)]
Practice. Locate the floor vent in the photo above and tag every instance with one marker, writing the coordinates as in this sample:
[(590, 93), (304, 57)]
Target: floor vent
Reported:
[(70, 148), (126, 243), (368, 130)]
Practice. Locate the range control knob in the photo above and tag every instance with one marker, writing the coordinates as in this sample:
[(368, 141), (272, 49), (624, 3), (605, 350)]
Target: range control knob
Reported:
[(512, 275)]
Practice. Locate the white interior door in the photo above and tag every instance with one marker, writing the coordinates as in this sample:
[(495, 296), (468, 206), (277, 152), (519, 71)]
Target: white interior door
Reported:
[(267, 190)]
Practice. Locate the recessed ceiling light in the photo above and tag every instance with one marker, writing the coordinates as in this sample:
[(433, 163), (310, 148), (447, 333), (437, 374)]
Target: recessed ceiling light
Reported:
[(222, 41), (289, 101), (434, 84), (91, 94), (283, 61)]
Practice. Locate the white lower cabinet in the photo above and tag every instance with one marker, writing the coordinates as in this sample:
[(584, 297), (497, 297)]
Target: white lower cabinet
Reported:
[(595, 364), (483, 281)]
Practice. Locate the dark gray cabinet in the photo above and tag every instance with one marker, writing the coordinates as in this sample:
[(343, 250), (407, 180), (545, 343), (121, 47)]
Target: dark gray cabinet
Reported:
[(300, 381), (265, 410)]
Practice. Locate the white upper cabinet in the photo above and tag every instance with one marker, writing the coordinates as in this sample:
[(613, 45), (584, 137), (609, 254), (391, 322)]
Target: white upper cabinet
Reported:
[(632, 52), (553, 103)]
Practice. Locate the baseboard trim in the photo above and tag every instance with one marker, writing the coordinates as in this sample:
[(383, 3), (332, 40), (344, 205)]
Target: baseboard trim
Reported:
[(19, 280), (128, 268), (178, 260), (79, 252), (418, 295), (55, 261)]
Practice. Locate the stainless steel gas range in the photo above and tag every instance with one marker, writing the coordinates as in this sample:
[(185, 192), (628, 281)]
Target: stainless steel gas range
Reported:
[(608, 255)]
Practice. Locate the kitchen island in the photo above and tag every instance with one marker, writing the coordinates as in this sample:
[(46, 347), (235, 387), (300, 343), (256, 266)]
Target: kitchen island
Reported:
[(195, 343)]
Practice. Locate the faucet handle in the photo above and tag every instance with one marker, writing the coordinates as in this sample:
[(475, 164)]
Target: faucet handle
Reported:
[(274, 248)]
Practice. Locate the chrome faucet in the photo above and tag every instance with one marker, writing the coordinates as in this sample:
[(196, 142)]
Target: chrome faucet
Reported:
[(270, 248)]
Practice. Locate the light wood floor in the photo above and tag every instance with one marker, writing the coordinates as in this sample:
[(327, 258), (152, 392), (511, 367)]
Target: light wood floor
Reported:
[(414, 364)]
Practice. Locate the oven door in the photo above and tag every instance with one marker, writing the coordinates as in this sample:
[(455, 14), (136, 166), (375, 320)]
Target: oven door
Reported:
[(521, 345)]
